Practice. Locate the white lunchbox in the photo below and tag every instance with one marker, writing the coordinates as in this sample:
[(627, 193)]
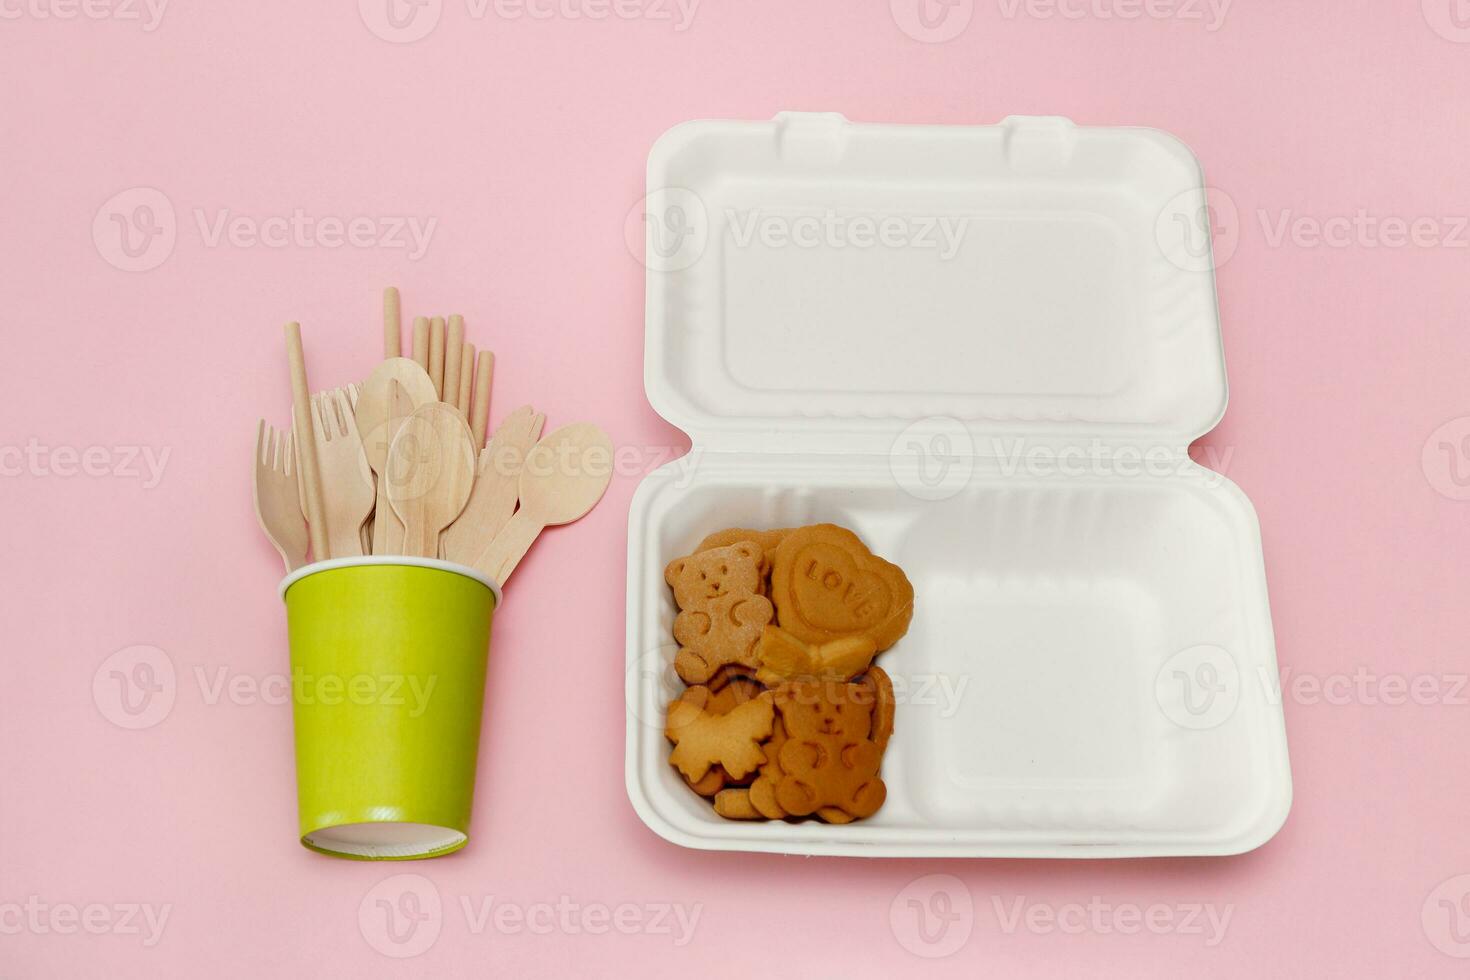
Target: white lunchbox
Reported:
[(986, 350)]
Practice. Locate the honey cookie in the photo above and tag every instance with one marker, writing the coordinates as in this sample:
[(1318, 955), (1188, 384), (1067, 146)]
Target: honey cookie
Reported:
[(763, 790), (827, 585), (829, 762), (721, 612), (722, 696), (885, 705), (782, 657), (734, 804), (703, 740), (768, 541)]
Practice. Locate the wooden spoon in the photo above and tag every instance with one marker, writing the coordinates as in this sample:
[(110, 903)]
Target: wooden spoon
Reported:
[(563, 478), (431, 468), (396, 387)]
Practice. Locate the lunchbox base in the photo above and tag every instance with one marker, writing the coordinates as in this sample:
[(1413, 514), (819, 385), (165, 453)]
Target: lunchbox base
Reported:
[(1056, 689)]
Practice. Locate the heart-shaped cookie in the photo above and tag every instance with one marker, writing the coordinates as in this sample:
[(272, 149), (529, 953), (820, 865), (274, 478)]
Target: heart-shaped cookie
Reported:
[(826, 585)]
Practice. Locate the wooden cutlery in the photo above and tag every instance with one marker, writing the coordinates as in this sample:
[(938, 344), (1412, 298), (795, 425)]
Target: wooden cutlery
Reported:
[(563, 478), (391, 393), (277, 498), (401, 466), (497, 485), (347, 479), (431, 469)]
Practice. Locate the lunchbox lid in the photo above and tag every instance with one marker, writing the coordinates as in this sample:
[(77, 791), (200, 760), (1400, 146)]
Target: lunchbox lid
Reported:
[(818, 285)]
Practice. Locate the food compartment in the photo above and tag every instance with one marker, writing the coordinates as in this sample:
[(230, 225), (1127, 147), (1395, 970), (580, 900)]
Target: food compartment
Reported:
[(1029, 713)]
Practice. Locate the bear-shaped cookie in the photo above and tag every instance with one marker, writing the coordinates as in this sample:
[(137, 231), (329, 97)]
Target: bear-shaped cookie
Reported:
[(828, 762), (721, 613)]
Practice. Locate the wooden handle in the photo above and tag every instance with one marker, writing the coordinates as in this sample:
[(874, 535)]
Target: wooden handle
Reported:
[(387, 528), (466, 381), (436, 354), (509, 547), (453, 341), (480, 413), (420, 540), (392, 324), (421, 341), (311, 476)]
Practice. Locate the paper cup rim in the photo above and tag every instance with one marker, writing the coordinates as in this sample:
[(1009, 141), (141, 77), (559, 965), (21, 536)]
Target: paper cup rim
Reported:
[(444, 566)]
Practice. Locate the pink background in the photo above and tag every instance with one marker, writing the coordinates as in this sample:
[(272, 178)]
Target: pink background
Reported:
[(526, 140)]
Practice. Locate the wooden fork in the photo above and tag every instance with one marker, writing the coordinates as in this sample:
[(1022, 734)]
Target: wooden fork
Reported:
[(348, 487), (277, 505)]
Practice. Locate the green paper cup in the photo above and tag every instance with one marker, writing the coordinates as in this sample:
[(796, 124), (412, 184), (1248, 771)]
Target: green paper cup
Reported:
[(387, 684)]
